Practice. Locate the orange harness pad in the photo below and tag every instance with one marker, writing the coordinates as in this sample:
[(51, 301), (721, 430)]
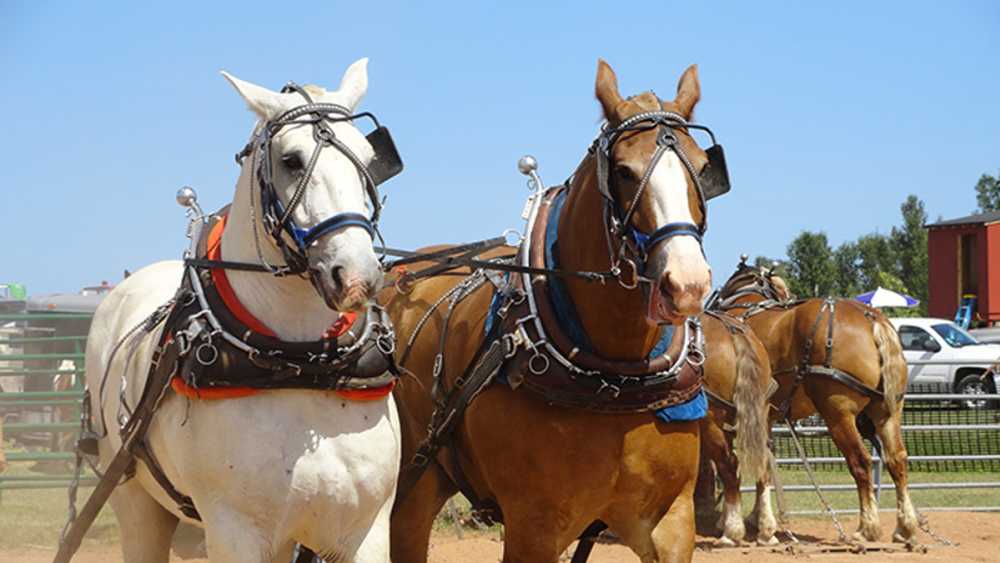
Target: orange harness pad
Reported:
[(342, 325)]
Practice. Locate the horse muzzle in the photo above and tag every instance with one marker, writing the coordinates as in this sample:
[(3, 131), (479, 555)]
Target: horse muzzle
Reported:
[(346, 285), (680, 288)]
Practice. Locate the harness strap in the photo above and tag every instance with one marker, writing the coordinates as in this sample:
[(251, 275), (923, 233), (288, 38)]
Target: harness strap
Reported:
[(447, 416), (184, 503), (845, 379), (162, 369)]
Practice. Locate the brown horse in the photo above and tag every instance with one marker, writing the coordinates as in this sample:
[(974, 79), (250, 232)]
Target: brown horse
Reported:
[(734, 435), (839, 358), (550, 471)]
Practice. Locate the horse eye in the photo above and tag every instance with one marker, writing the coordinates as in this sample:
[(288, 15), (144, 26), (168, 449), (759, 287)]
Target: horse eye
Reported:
[(624, 172), (292, 161)]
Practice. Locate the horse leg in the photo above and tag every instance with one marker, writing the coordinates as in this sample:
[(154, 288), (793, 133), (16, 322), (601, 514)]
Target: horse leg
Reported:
[(840, 418), (232, 537), (715, 447), (146, 527), (374, 544), (887, 428), (413, 518), (539, 537), (762, 516)]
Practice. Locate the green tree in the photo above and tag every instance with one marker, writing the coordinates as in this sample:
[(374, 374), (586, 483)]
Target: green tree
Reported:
[(910, 244), (988, 193), (811, 269), (846, 259), (875, 254)]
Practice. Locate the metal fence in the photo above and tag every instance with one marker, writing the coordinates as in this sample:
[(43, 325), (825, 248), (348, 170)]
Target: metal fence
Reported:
[(36, 350), (942, 433)]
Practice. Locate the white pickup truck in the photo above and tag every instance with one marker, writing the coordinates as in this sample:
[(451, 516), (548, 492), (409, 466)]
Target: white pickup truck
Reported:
[(943, 340)]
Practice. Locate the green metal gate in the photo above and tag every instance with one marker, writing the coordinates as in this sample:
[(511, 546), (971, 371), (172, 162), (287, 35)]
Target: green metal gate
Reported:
[(34, 349)]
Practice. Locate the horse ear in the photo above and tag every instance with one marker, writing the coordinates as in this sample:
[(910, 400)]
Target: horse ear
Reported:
[(606, 89), (688, 92), (261, 101), (354, 84)]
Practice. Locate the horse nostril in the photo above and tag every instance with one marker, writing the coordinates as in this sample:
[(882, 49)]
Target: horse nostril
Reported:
[(337, 276), (667, 284)]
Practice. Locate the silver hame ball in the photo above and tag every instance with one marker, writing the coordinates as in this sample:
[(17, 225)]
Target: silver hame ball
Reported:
[(527, 164), (186, 196)]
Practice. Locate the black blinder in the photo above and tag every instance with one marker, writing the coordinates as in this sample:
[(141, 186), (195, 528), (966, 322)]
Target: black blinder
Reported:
[(387, 162), (714, 177)]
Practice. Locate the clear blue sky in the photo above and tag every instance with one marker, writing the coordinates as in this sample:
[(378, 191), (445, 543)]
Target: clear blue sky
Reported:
[(830, 113)]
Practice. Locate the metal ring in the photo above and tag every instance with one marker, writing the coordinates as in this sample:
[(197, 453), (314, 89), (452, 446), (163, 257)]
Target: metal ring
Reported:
[(385, 344), (211, 358), (507, 234), (542, 367), (634, 277), (696, 357), (403, 285)]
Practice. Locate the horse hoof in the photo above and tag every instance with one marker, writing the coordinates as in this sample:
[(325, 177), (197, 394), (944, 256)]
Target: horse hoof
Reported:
[(725, 542), (768, 541), (901, 537)]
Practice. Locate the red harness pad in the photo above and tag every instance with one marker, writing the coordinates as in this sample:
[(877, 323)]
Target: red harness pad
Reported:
[(339, 327)]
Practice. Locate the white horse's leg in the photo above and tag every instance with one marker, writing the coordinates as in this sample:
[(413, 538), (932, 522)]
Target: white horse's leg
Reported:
[(374, 546), (232, 537), (146, 527)]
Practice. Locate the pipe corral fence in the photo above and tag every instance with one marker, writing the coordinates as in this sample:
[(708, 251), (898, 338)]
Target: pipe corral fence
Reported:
[(958, 434), (41, 352)]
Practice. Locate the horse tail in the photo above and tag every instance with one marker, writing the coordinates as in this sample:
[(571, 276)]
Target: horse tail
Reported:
[(751, 400), (892, 364)]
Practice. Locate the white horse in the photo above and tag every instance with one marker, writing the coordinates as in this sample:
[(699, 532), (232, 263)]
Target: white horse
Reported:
[(282, 466)]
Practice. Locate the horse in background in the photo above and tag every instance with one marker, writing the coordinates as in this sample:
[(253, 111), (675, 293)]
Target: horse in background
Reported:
[(843, 360), (735, 433)]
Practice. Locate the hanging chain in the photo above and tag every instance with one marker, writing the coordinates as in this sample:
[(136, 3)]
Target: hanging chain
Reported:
[(805, 462)]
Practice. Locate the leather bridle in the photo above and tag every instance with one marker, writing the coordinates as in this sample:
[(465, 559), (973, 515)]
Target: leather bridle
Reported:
[(276, 215), (634, 245)]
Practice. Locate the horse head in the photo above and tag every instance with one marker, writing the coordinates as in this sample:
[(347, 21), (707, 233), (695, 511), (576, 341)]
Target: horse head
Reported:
[(652, 176), (749, 284), (319, 207)]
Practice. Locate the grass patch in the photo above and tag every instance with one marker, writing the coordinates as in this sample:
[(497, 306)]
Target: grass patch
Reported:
[(35, 517)]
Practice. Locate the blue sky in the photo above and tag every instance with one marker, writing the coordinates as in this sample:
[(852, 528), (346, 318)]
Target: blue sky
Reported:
[(830, 113)]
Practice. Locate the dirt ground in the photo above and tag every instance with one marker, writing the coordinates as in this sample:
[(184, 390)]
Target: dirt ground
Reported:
[(977, 536)]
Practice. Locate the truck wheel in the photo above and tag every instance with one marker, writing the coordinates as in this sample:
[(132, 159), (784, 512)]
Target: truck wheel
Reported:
[(974, 384)]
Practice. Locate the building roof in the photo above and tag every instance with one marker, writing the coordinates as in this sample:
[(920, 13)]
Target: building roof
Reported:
[(978, 219)]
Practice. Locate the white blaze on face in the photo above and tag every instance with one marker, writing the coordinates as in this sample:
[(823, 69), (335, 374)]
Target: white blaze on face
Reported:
[(685, 264)]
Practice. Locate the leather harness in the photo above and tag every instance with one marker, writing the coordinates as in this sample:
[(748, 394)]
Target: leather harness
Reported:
[(759, 284), (227, 355), (514, 346)]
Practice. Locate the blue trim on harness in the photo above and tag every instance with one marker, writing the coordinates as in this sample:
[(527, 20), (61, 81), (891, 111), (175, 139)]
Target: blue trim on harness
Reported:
[(305, 237), (569, 319), (645, 242), (694, 409)]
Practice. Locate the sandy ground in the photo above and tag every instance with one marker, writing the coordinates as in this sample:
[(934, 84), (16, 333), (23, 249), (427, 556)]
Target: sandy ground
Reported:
[(977, 536)]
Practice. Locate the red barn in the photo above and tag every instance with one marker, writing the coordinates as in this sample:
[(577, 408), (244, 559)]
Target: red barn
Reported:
[(964, 258)]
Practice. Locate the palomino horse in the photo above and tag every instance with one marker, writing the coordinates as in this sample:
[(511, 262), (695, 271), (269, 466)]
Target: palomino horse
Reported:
[(734, 434), (262, 470), (839, 358), (551, 470)]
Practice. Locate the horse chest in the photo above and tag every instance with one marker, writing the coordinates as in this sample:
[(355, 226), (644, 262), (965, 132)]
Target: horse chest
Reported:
[(285, 450)]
